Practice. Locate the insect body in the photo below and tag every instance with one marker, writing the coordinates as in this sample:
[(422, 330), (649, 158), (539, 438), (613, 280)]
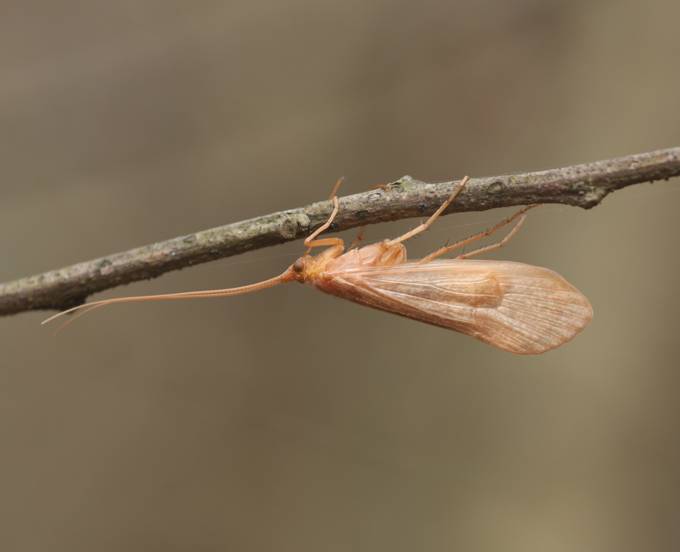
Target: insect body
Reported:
[(516, 307)]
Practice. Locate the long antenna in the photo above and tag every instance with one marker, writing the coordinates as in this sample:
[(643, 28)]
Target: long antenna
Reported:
[(287, 276)]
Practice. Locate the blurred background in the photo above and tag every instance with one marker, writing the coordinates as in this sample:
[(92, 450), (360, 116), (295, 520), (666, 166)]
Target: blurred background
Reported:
[(290, 420)]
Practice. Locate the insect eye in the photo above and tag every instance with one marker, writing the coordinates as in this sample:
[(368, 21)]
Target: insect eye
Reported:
[(299, 265)]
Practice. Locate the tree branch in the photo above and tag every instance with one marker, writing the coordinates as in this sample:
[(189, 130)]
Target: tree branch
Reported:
[(580, 185)]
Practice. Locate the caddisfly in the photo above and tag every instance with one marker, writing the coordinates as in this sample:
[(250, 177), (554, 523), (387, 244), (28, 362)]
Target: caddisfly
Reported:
[(516, 307)]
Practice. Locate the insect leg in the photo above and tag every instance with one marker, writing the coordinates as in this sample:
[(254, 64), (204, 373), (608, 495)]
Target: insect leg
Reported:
[(325, 242), (481, 235), (358, 239), (425, 225), (496, 245), (311, 241)]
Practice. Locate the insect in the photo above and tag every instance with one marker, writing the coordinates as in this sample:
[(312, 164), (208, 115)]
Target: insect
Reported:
[(516, 307)]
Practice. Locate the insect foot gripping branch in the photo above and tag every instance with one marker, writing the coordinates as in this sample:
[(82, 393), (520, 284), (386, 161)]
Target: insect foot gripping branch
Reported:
[(516, 307)]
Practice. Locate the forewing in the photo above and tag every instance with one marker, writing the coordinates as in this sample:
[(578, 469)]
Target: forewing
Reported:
[(516, 307)]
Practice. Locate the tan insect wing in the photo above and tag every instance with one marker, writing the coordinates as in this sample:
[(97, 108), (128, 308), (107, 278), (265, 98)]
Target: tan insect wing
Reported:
[(516, 307)]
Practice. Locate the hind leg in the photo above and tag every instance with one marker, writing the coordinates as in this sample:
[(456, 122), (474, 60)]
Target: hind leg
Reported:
[(521, 215)]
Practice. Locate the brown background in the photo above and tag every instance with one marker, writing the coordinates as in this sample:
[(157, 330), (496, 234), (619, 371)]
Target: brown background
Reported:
[(289, 420)]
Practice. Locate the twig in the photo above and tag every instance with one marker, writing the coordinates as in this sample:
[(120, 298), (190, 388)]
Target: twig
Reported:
[(580, 185)]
